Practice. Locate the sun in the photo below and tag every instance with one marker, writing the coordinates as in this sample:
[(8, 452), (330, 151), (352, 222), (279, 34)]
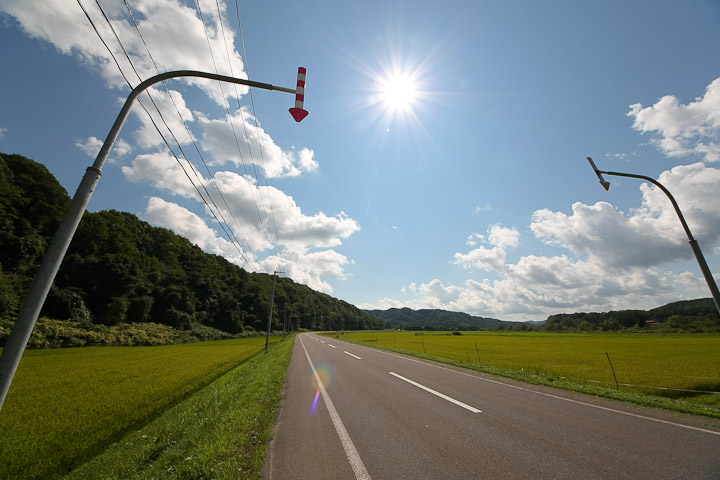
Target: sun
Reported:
[(398, 91)]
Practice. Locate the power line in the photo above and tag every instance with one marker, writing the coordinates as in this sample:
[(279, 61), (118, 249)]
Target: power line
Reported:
[(252, 103), (192, 139), (177, 142), (92, 23), (232, 125), (244, 124)]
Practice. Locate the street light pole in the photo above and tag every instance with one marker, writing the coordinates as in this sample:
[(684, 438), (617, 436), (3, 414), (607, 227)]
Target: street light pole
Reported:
[(693, 243), (21, 331)]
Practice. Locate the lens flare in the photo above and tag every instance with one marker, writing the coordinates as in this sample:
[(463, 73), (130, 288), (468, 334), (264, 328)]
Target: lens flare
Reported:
[(324, 375), (313, 407)]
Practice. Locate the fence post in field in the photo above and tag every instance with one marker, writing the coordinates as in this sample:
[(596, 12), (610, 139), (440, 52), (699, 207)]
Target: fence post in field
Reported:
[(617, 386), (478, 353)]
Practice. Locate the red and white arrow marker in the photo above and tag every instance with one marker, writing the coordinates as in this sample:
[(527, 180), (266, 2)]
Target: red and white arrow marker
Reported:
[(298, 112)]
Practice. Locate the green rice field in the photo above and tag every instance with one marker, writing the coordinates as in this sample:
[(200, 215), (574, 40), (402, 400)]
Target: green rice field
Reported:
[(66, 405), (672, 366)]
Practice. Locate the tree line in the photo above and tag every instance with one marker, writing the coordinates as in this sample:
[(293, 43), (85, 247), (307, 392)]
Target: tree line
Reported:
[(684, 316), (120, 269), (433, 320)]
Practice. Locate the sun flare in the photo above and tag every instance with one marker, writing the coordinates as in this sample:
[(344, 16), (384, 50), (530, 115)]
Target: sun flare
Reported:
[(398, 92)]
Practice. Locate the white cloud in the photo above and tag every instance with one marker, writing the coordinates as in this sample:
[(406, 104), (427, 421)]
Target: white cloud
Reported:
[(261, 210), (309, 268), (187, 224), (474, 238), (615, 263), (696, 188), (536, 287), (3, 131), (302, 265), (306, 160), (241, 140), (651, 234), (174, 112), (174, 34), (178, 40), (50, 23), (436, 294), (91, 146), (164, 172), (384, 304), (488, 259), (173, 31), (683, 129), (481, 258), (121, 148), (503, 237)]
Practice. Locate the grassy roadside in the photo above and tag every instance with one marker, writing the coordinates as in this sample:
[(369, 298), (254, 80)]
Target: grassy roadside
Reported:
[(681, 405), (67, 405), (221, 432)]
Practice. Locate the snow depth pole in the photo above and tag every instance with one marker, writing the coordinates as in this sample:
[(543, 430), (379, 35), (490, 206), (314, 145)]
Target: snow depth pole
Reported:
[(298, 112)]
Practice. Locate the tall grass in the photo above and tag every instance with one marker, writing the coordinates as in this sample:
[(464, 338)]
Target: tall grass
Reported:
[(219, 433), (674, 366), (66, 405)]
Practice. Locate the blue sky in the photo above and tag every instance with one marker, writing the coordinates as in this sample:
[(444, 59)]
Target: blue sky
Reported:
[(472, 194)]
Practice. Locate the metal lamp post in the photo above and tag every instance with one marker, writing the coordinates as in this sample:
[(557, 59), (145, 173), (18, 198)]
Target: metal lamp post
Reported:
[(20, 334), (693, 243)]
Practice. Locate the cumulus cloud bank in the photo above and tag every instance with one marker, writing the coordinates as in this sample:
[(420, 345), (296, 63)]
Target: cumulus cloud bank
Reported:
[(186, 36), (613, 259), (693, 128)]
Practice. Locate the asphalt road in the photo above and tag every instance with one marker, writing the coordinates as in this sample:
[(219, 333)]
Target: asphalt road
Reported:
[(379, 415)]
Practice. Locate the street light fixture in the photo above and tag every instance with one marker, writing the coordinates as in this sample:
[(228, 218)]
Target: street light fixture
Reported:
[(21, 331), (693, 243)]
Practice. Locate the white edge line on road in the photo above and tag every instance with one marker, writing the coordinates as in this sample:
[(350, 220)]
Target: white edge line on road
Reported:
[(436, 393), (578, 402), (321, 341), (331, 346), (354, 356), (353, 456)]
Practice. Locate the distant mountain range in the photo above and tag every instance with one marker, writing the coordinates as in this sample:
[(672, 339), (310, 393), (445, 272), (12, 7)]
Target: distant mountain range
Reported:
[(429, 319), (694, 315)]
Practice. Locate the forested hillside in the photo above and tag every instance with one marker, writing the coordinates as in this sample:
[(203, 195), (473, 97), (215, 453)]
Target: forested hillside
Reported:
[(432, 319), (120, 270), (684, 316)]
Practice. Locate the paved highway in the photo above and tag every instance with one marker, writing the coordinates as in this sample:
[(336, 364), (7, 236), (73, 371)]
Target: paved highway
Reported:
[(352, 412)]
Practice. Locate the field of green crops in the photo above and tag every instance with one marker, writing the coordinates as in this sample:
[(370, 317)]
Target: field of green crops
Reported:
[(66, 405), (676, 366)]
